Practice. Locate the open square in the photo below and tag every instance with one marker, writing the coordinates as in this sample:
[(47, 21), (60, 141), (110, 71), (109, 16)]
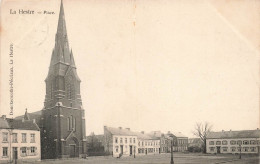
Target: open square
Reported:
[(179, 158)]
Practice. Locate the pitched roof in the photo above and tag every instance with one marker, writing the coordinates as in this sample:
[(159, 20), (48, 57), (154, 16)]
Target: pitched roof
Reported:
[(178, 134), (4, 124), (127, 132), (120, 131), (23, 125), (235, 134)]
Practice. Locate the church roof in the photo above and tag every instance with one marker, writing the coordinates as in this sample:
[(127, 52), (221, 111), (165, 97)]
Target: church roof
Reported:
[(235, 134)]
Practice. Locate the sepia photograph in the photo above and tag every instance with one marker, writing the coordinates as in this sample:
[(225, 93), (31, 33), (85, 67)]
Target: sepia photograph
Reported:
[(129, 81)]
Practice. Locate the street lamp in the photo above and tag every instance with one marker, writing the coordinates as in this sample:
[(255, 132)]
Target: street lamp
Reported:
[(134, 151), (171, 135), (172, 162)]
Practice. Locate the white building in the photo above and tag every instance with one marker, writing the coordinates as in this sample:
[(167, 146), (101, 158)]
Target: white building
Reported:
[(148, 144), (19, 139), (232, 141), (119, 141), (123, 142)]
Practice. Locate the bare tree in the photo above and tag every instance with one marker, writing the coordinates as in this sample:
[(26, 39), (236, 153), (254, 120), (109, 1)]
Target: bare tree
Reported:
[(202, 131)]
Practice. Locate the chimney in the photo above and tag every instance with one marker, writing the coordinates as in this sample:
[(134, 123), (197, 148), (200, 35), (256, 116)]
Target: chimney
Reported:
[(169, 132), (120, 127), (222, 130), (142, 132), (4, 117), (128, 129)]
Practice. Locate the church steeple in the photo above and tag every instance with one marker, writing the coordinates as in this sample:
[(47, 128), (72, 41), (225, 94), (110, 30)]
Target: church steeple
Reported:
[(63, 117), (62, 82)]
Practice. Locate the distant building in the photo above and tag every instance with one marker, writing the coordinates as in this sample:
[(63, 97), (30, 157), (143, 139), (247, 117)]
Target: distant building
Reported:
[(165, 143), (120, 142), (180, 141), (232, 141), (148, 143), (124, 142), (19, 139)]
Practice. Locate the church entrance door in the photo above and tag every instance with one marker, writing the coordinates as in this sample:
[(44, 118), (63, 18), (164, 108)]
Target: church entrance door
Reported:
[(72, 151)]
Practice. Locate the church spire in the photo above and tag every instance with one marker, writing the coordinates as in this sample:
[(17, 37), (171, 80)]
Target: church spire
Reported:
[(61, 52), (62, 24)]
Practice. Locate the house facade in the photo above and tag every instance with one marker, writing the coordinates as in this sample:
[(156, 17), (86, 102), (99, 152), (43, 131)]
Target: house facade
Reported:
[(120, 142), (180, 141), (148, 143), (165, 146), (124, 142), (19, 140), (245, 141)]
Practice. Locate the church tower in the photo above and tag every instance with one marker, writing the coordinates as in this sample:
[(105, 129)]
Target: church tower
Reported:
[(63, 122)]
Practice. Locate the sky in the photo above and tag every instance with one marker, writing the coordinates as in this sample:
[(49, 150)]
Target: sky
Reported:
[(145, 65)]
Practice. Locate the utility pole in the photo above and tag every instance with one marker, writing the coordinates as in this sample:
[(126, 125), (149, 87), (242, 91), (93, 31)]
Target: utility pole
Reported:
[(240, 151)]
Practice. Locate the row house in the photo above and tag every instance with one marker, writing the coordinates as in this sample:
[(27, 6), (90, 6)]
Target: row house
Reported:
[(245, 141), (179, 141), (148, 144), (20, 140), (119, 141), (124, 142)]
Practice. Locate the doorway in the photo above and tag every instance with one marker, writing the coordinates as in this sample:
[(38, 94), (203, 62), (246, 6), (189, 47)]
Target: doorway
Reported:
[(15, 153), (72, 151), (121, 149), (218, 149), (131, 150)]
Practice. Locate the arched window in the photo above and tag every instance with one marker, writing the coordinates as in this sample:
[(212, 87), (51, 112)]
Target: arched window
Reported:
[(74, 124), (68, 123), (51, 91), (71, 122), (70, 91)]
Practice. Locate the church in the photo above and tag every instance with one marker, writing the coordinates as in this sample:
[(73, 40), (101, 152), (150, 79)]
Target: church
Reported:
[(61, 121)]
